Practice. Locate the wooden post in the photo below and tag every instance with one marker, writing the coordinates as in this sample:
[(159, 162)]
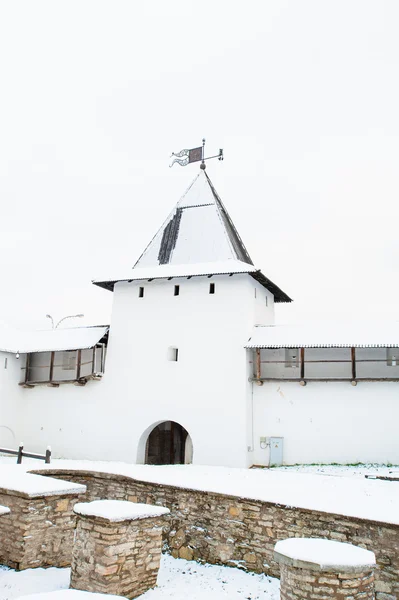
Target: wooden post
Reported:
[(353, 358), (48, 455), (19, 455), (302, 363), (51, 367), (27, 368), (93, 362), (102, 357), (258, 365), (78, 364)]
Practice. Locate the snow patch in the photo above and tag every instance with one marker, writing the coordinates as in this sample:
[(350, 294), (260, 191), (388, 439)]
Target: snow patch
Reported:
[(325, 553), (17, 480), (119, 510)]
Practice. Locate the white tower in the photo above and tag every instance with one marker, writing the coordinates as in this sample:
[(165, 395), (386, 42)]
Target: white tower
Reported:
[(180, 320)]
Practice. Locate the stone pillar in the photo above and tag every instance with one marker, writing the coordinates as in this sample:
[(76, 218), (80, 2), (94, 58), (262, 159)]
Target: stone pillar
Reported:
[(40, 528), (117, 547), (319, 569)]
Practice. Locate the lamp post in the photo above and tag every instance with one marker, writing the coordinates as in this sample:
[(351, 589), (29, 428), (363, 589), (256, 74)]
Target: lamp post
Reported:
[(63, 319)]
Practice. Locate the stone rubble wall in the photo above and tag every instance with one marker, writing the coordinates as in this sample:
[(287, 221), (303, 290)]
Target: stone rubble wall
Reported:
[(38, 532), (306, 584), (237, 532), (119, 558)]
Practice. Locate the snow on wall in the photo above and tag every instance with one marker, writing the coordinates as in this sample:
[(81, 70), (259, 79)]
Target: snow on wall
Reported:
[(326, 422)]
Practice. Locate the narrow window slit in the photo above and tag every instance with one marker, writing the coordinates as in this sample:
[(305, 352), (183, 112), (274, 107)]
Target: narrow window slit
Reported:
[(141, 292), (173, 354), (211, 288), (177, 290)]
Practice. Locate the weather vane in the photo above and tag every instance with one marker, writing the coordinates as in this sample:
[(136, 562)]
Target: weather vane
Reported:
[(187, 156)]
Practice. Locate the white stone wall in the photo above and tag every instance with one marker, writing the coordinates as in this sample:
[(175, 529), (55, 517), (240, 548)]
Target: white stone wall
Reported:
[(206, 391), (326, 422)]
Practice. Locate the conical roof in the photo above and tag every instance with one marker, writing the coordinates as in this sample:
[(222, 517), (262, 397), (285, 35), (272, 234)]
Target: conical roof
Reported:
[(197, 239), (198, 230)]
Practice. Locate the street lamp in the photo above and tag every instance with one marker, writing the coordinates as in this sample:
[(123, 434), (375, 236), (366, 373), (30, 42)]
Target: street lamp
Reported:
[(63, 319)]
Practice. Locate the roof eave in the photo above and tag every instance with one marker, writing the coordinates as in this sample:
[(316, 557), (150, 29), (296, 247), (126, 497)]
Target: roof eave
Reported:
[(279, 295), (277, 346)]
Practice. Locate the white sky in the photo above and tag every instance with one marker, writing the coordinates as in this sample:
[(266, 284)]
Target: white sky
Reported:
[(303, 97)]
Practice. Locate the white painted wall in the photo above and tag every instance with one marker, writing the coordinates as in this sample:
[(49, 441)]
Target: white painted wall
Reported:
[(206, 391), (10, 433), (326, 422)]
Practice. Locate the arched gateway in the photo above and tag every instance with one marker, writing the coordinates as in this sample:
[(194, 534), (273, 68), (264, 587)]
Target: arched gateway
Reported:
[(168, 444)]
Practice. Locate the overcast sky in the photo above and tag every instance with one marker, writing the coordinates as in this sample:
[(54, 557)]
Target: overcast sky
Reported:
[(302, 95)]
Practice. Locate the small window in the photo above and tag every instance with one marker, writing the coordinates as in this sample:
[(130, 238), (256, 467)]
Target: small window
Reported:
[(292, 357), (177, 290), (266, 300), (173, 354), (5, 362), (393, 357), (141, 292), (211, 288)]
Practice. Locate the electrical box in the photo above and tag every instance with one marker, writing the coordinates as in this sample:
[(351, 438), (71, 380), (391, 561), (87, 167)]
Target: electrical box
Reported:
[(276, 451)]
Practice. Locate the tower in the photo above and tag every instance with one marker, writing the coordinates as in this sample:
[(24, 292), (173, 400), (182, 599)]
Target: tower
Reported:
[(180, 320)]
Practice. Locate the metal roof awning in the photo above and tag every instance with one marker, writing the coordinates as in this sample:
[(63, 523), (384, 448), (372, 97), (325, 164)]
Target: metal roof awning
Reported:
[(327, 335), (51, 340)]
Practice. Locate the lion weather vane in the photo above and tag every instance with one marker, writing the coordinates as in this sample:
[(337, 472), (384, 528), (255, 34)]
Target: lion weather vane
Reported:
[(187, 156)]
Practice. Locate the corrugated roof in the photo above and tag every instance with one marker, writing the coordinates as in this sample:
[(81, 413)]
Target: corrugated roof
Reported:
[(76, 338), (195, 270), (326, 335)]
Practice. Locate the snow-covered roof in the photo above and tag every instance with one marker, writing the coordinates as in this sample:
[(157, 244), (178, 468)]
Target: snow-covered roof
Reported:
[(328, 335), (183, 270), (228, 267), (198, 230), (119, 510), (76, 338), (197, 238), (33, 486)]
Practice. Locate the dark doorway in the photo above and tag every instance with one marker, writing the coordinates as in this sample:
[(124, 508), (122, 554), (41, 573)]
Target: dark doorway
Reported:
[(166, 444)]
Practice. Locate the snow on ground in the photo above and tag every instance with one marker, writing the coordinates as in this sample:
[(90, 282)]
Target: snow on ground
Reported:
[(177, 579), (14, 584), (358, 471), (351, 496)]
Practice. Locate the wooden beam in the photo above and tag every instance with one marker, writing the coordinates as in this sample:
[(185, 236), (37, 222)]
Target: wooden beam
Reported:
[(51, 366), (102, 357), (27, 368), (78, 364), (353, 358), (258, 373), (302, 363), (93, 362)]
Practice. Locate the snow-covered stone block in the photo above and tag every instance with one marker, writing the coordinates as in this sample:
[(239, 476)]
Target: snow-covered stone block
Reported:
[(319, 569), (117, 547), (39, 530)]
